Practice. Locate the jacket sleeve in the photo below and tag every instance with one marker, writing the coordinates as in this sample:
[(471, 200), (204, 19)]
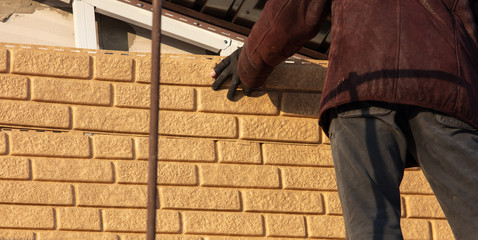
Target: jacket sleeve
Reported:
[(282, 29)]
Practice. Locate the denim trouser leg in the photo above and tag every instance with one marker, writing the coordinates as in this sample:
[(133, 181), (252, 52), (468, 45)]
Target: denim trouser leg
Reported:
[(447, 151), (369, 157), (370, 142)]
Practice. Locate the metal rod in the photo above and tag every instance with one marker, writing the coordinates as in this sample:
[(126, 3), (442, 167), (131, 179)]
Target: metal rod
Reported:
[(154, 120)]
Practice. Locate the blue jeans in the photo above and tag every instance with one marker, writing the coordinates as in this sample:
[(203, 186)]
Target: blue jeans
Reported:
[(371, 143)]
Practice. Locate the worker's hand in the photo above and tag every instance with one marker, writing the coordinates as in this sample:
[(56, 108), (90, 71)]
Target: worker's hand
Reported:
[(226, 69)]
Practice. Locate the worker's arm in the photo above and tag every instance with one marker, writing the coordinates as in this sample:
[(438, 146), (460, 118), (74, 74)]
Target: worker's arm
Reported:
[(282, 29)]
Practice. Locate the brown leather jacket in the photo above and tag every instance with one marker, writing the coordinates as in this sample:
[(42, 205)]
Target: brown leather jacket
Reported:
[(415, 52)]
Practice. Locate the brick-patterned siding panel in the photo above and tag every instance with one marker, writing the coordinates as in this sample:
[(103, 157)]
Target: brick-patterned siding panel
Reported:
[(414, 182), (441, 230), (112, 195), (170, 97), (48, 63), (113, 147), (160, 237), (34, 114), (199, 198), (111, 120), (179, 149), (279, 129), (283, 201), (326, 226), (4, 54), (79, 219), (14, 168), (258, 103), (3, 143), (423, 206), (415, 229), (332, 203), (184, 70), (71, 91), (197, 124), (285, 226), (300, 104), (301, 155), (134, 220), (27, 217), (239, 176), (49, 144), (297, 76), (168, 173), (309, 178), (239, 152), (16, 235), (76, 235), (13, 87), (114, 68), (36, 193), (223, 223), (72, 170)]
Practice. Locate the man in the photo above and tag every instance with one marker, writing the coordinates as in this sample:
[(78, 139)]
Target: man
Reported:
[(402, 84)]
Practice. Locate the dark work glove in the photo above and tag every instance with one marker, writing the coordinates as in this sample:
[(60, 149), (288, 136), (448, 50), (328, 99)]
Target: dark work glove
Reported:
[(226, 69)]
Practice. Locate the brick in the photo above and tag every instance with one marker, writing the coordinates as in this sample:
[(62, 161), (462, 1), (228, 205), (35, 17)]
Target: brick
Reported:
[(168, 173), (112, 195), (239, 152), (332, 203), (3, 143), (16, 235), (179, 149), (442, 230), (285, 226), (297, 76), (160, 237), (239, 176), (283, 201), (72, 170), (49, 63), (49, 144), (241, 238), (114, 68), (13, 87), (138, 96), (4, 58), (279, 129), (309, 178), (326, 226), (34, 114), (423, 206), (36, 193), (223, 223), (28, 217), (293, 154), (199, 198), (113, 147), (134, 220), (300, 104), (197, 124), (414, 182), (71, 91), (258, 103), (79, 219), (415, 229), (180, 70), (111, 120), (14, 168), (57, 235), (324, 139)]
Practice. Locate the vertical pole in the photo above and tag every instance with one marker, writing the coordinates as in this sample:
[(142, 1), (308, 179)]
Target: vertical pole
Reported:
[(154, 117)]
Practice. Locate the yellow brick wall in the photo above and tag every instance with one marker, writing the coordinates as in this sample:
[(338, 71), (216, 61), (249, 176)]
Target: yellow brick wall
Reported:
[(73, 153)]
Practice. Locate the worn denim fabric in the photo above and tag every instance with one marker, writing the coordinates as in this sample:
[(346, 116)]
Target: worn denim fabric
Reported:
[(371, 143)]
